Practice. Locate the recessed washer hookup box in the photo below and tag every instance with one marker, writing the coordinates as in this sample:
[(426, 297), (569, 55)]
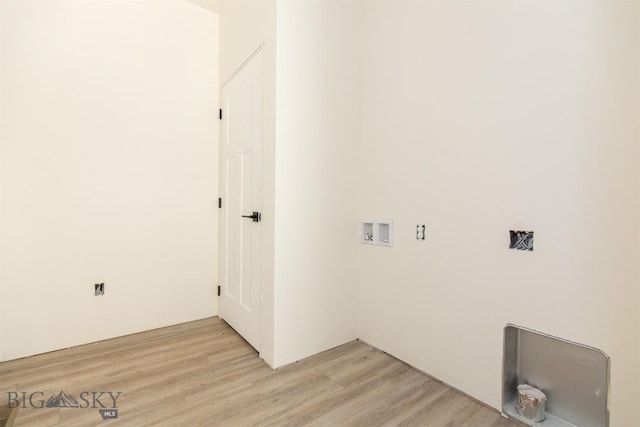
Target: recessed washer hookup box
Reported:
[(574, 377)]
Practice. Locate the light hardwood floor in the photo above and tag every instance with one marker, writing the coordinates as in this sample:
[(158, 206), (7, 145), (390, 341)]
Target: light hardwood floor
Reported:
[(203, 374)]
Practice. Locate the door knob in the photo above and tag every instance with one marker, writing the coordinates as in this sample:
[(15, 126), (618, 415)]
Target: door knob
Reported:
[(255, 216)]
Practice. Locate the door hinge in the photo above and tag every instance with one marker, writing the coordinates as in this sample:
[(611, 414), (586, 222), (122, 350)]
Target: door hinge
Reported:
[(219, 289), (220, 110), (219, 202)]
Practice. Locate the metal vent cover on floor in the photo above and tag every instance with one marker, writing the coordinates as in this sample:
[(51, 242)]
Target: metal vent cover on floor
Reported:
[(574, 377)]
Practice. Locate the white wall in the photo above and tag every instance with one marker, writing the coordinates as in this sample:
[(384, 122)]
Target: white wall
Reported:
[(1, 144), (317, 153), (481, 117), (638, 142), (245, 25), (212, 5), (109, 169)]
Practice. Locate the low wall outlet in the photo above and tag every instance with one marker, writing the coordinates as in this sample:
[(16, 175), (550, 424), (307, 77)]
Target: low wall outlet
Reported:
[(98, 289), (421, 231)]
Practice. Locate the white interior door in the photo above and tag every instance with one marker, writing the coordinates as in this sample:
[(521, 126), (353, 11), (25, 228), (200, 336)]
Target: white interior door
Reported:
[(241, 187)]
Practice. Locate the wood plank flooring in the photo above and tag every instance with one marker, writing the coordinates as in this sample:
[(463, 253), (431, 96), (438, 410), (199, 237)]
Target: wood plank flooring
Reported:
[(203, 374)]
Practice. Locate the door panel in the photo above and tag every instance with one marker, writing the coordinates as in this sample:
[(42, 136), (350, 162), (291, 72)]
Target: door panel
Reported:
[(241, 176), (247, 232)]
